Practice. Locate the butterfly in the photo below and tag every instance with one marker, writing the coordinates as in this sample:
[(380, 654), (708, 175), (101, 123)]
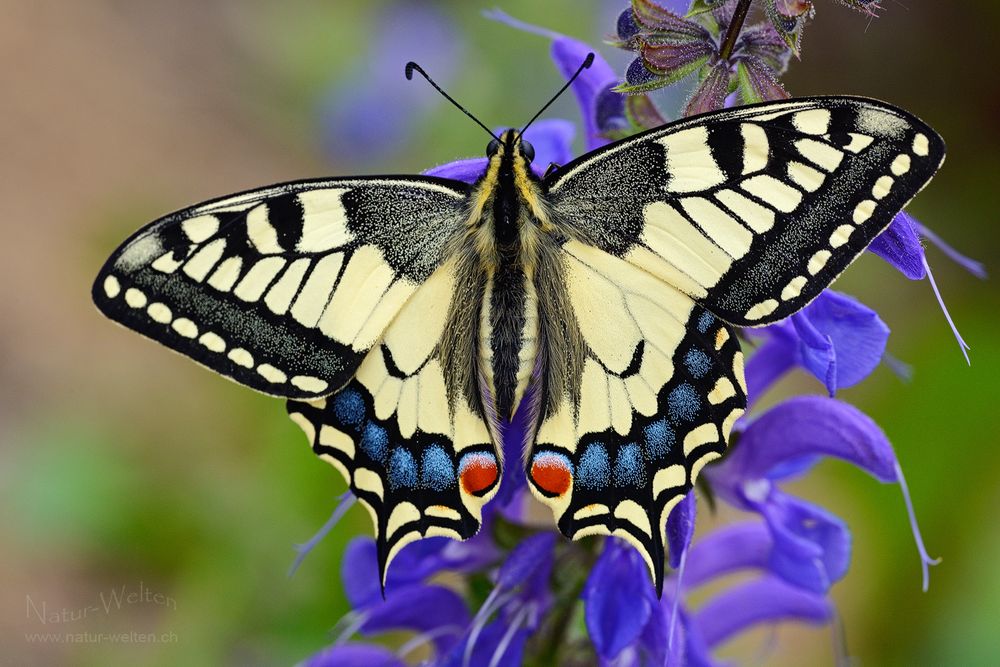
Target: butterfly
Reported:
[(408, 318)]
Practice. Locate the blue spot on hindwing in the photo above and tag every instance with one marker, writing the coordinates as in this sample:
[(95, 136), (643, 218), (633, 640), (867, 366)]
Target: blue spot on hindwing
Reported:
[(697, 362), (683, 403), (629, 466), (349, 407), (402, 469), (375, 442), (594, 467), (660, 439), (705, 321), (436, 469)]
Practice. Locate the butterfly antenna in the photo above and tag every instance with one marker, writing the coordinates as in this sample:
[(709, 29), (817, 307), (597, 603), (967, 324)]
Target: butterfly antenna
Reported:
[(587, 62), (410, 66)]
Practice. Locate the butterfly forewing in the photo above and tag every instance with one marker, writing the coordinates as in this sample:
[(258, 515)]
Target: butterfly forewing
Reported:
[(751, 211), (283, 289)]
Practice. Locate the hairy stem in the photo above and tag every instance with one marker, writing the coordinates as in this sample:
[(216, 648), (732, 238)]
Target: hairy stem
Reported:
[(733, 31)]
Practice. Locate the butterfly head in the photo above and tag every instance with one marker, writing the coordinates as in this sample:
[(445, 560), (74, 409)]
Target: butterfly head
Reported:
[(511, 144)]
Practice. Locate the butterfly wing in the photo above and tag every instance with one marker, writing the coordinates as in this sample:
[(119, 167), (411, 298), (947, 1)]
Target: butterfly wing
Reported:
[(416, 453), (751, 211), (739, 217), (283, 289), (660, 387)]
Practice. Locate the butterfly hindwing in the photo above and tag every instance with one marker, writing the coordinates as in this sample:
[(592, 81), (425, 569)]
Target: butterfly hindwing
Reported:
[(418, 457), (659, 391), (751, 211), (283, 289)]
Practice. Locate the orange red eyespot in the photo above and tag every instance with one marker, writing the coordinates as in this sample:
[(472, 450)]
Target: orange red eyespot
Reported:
[(552, 473), (478, 472)]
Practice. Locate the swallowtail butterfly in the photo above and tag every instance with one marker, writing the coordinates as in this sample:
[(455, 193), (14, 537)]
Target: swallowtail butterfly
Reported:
[(406, 318)]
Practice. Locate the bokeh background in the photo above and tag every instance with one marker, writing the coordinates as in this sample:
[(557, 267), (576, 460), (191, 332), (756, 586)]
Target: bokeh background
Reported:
[(126, 469)]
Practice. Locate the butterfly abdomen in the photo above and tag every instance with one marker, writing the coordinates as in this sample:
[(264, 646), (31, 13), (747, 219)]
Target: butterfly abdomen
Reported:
[(508, 344)]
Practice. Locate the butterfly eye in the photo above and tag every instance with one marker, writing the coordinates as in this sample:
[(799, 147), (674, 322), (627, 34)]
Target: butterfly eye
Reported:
[(528, 151), (492, 148)]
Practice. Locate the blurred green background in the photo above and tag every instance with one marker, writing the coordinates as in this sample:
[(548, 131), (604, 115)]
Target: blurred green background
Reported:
[(126, 469)]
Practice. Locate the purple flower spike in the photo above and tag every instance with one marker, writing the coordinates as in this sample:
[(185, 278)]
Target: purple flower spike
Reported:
[(618, 597), (355, 655), (767, 600)]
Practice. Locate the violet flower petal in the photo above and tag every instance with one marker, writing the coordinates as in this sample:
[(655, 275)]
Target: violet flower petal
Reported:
[(900, 246), (415, 563), (855, 340), (817, 353), (770, 361), (499, 644), (359, 573), (533, 554), (568, 54), (354, 655), (766, 600), (812, 547), (407, 609), (680, 528), (467, 170), (618, 598), (809, 426), (745, 545)]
